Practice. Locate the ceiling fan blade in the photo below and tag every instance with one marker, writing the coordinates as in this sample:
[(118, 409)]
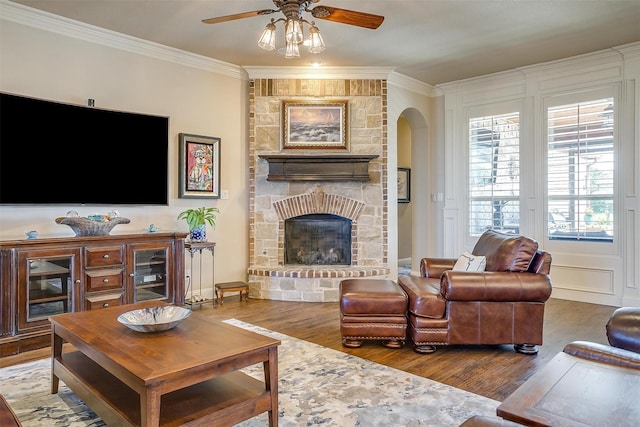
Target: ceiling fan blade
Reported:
[(344, 16), (238, 16)]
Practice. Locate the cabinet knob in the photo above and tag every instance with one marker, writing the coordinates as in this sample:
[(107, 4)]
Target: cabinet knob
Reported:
[(105, 281), (105, 256), (106, 304), (78, 282)]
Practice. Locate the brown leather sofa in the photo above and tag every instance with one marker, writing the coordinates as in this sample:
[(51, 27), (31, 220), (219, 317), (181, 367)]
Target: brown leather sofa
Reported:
[(502, 305), (623, 334)]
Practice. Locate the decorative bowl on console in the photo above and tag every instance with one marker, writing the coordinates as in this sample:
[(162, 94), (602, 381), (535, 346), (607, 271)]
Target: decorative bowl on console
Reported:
[(91, 227), (154, 319)]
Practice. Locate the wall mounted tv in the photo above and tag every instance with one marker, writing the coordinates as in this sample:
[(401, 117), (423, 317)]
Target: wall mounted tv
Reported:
[(53, 153)]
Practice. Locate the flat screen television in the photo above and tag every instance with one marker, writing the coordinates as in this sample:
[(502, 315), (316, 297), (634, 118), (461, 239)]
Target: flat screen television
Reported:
[(53, 153)]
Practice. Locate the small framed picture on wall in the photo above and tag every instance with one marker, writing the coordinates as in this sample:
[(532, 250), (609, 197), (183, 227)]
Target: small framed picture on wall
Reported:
[(404, 185), (199, 167)]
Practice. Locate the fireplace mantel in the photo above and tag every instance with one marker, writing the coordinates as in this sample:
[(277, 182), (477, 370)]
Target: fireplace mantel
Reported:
[(322, 167)]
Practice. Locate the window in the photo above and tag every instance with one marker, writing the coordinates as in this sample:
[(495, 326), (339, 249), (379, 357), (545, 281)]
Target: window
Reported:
[(494, 173), (580, 171)]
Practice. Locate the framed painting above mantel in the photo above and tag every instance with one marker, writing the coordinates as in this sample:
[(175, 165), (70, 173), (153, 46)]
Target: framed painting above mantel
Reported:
[(313, 125)]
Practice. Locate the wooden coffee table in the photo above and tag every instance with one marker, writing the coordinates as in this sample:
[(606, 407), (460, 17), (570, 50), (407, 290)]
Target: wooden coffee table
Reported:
[(570, 391), (186, 375)]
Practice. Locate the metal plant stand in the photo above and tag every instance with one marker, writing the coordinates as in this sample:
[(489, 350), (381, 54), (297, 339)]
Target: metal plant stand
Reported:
[(198, 299)]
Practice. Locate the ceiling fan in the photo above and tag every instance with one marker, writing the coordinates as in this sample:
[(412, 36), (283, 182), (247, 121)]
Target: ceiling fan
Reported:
[(293, 9), (294, 22)]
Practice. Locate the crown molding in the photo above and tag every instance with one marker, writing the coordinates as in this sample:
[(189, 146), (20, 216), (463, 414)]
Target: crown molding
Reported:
[(629, 51), (35, 18), (411, 84), (605, 58), (354, 73), (370, 73)]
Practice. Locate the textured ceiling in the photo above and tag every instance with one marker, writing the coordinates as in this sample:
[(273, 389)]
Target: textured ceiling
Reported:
[(433, 41)]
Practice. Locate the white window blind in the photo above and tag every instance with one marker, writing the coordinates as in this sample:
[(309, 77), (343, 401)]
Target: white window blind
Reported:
[(494, 173), (580, 171)]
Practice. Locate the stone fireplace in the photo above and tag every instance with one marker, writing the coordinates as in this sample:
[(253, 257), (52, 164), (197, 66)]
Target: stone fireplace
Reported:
[(308, 233)]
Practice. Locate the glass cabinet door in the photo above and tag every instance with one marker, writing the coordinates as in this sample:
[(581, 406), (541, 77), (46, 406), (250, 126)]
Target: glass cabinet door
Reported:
[(150, 272), (48, 278)]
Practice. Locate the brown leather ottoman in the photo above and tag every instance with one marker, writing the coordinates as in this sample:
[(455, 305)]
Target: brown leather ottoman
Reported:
[(372, 309)]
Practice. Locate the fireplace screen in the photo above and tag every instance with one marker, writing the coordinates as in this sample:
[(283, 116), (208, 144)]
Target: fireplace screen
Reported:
[(319, 239)]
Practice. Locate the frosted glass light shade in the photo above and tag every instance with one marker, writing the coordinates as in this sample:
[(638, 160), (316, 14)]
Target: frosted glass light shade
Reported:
[(292, 51), (316, 44), (268, 38), (293, 31)]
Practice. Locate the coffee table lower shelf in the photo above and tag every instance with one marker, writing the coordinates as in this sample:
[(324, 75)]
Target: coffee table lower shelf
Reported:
[(222, 401)]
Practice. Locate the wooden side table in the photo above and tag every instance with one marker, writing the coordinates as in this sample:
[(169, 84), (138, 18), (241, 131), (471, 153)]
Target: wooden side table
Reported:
[(574, 392), (241, 287)]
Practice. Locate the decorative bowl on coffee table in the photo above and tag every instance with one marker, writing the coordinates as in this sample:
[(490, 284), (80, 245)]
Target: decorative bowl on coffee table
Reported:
[(154, 319)]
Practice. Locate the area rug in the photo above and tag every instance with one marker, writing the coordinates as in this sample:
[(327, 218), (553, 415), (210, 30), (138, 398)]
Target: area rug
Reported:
[(317, 386)]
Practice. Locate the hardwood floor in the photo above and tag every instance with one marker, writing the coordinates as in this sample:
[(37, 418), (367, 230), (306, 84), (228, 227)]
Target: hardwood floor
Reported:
[(491, 371)]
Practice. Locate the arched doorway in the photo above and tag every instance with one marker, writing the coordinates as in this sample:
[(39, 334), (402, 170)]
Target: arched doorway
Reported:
[(412, 154), (405, 213)]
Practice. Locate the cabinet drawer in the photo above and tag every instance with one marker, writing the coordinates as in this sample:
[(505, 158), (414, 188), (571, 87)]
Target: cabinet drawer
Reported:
[(98, 280), (94, 302), (102, 257)]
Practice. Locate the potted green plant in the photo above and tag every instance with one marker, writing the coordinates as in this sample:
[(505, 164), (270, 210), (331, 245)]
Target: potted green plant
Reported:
[(197, 220), (588, 216)]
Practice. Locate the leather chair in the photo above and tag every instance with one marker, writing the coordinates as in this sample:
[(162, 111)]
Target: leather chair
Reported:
[(487, 421), (8, 418), (623, 334), (502, 305)]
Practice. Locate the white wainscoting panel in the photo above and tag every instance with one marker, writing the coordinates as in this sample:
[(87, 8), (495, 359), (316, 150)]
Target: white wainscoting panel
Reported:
[(583, 279)]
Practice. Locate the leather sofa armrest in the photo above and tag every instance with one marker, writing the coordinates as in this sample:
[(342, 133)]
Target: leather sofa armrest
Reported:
[(495, 286), (623, 328), (487, 421), (603, 353), (434, 267)]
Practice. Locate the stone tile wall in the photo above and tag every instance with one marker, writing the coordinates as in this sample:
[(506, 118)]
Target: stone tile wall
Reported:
[(269, 278)]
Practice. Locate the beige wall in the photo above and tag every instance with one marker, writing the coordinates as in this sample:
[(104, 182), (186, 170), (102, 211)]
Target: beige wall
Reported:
[(56, 67), (418, 109), (405, 217), (62, 62)]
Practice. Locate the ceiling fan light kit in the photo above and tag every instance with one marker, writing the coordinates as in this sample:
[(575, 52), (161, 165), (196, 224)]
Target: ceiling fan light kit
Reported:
[(294, 36), (294, 24)]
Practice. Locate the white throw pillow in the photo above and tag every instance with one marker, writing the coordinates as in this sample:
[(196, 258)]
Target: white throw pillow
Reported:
[(470, 262)]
